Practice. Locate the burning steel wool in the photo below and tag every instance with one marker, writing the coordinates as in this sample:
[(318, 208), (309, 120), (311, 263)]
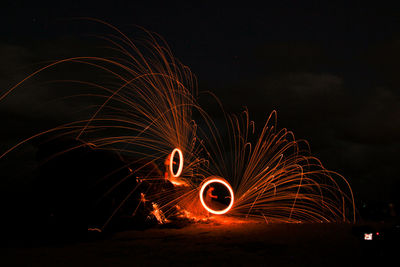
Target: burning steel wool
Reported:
[(178, 169)]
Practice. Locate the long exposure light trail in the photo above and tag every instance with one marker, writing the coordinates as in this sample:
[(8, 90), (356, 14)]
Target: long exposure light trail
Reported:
[(171, 162), (220, 181), (147, 109)]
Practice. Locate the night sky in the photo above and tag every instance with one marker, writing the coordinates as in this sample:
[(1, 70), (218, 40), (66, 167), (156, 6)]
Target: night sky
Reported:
[(331, 72)]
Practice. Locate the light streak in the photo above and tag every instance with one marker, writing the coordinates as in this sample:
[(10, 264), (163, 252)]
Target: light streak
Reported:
[(220, 181), (148, 109), (171, 162)]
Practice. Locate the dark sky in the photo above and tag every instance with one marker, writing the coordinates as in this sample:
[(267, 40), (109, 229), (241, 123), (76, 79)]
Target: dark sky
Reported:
[(331, 71)]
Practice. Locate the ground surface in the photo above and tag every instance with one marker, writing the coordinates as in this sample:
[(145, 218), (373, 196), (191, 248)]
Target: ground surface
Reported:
[(212, 244)]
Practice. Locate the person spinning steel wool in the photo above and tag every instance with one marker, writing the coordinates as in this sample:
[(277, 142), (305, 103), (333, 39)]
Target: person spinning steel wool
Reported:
[(209, 195), (168, 175), (209, 198)]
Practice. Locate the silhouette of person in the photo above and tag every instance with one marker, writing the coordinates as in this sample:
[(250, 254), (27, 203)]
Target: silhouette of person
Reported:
[(168, 173), (209, 195)]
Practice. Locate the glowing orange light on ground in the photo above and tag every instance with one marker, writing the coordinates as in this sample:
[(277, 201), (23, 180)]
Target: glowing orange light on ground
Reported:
[(158, 95), (171, 162), (227, 185)]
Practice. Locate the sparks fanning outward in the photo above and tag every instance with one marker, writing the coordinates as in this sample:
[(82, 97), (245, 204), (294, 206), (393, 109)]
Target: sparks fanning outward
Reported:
[(146, 115), (274, 177)]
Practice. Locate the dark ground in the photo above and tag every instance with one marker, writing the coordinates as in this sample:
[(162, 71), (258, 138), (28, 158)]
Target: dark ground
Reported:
[(47, 226), (341, 60), (220, 244)]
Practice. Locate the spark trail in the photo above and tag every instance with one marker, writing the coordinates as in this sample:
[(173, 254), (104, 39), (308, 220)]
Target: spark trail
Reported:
[(145, 114)]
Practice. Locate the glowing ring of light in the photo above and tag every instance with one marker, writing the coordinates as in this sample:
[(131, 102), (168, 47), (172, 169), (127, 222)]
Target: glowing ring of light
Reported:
[(171, 162), (227, 185)]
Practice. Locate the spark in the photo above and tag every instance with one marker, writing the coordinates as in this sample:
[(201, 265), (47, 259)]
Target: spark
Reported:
[(158, 214), (146, 110)]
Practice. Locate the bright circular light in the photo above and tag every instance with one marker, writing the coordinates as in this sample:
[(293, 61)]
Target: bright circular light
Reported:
[(227, 185), (171, 162)]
